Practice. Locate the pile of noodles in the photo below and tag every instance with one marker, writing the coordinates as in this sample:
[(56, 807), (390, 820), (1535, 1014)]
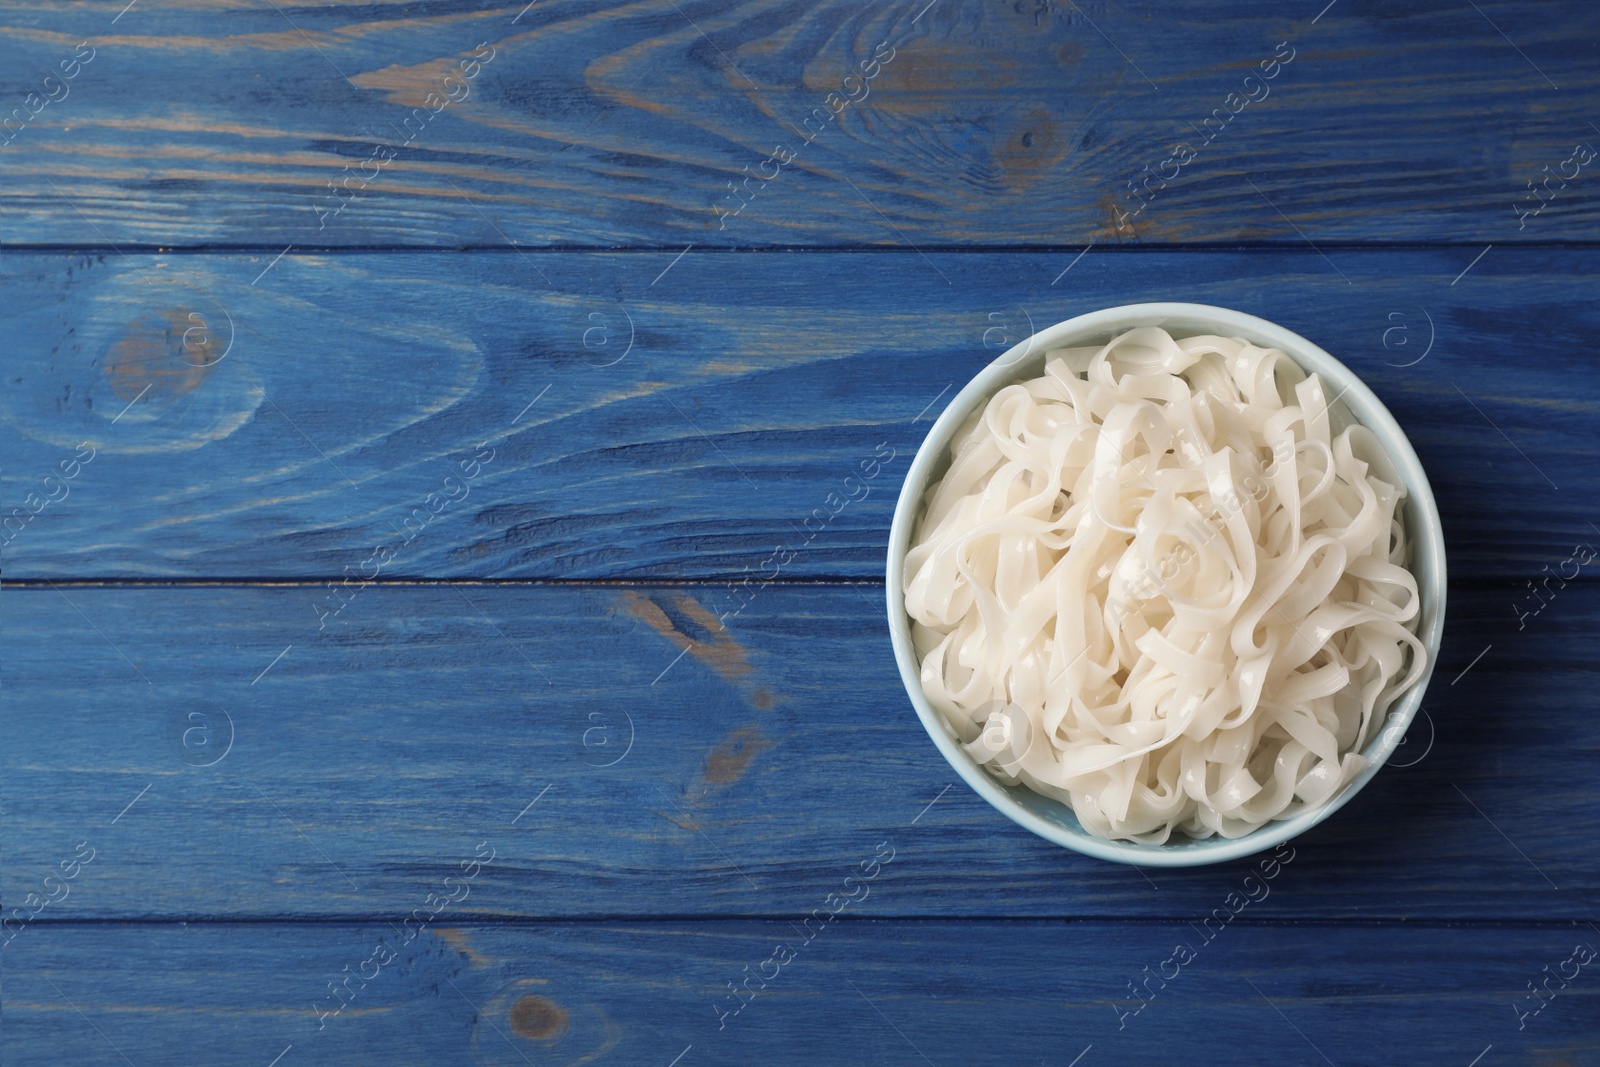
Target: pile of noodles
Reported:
[(1165, 584)]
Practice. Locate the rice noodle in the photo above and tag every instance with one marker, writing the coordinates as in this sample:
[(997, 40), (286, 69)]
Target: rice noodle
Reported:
[(1165, 584)]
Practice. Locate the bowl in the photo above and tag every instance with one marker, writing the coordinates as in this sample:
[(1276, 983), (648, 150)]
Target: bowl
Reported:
[(1049, 818)]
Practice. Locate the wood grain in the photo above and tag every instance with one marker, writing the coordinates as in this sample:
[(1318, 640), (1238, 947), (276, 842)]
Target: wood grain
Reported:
[(384, 470), (653, 417), (628, 759), (1001, 122), (944, 993)]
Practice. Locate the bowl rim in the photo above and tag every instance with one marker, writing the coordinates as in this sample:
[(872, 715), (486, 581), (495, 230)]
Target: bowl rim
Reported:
[(1428, 565)]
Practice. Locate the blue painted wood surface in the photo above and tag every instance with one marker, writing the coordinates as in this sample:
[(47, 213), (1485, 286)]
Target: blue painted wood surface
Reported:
[(860, 992), (993, 123), (529, 795), (745, 763), (648, 425)]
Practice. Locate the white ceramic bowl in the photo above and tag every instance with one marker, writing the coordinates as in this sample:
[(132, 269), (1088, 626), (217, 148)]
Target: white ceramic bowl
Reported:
[(1049, 818)]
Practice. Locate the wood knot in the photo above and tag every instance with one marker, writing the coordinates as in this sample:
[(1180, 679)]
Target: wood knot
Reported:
[(538, 1019), (728, 761), (169, 352), (1031, 149)]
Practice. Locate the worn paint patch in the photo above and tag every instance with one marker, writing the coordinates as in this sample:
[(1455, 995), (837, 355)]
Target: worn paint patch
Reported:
[(538, 1019), (411, 85), (1110, 205), (165, 354), (456, 938), (717, 649), (727, 762)]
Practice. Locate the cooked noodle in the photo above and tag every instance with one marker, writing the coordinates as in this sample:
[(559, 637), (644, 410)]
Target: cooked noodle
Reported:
[(1165, 583)]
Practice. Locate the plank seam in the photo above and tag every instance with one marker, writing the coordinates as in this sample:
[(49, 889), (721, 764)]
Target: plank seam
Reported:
[(1294, 247), (723, 918)]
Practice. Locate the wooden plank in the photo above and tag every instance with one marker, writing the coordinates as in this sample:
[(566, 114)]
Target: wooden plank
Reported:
[(627, 758), (342, 392), (985, 123), (974, 991)]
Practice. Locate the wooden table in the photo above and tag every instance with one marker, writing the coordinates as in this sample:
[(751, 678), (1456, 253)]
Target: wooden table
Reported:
[(403, 405)]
